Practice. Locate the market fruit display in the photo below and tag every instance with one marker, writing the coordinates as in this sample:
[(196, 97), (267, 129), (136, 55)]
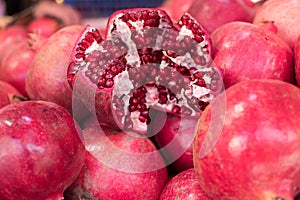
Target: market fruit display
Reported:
[(192, 100)]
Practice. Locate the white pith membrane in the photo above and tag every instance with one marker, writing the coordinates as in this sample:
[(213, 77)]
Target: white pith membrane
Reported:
[(124, 91)]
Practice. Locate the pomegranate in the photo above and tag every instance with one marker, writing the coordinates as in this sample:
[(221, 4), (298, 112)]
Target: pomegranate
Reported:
[(16, 61), (238, 48), (256, 151), (46, 78), (184, 185), (285, 15), (297, 60), (44, 26), (118, 166), (176, 8), (13, 94), (174, 135), (41, 151), (4, 99), (215, 13), (145, 63), (9, 35)]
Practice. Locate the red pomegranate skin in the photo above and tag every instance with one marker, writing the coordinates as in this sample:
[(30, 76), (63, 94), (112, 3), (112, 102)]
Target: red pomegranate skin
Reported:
[(176, 8), (41, 151), (257, 154), (4, 98), (215, 13), (11, 91), (245, 51), (44, 26), (99, 180), (297, 61), (285, 15), (46, 78), (179, 134), (184, 185)]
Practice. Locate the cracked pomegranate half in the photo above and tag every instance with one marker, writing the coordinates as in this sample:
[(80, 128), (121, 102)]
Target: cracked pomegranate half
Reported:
[(146, 62)]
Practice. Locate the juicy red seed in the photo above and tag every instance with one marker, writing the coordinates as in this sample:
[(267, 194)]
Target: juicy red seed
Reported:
[(162, 99), (109, 83), (142, 119), (176, 109), (134, 101), (132, 108), (80, 56), (141, 107), (199, 38), (84, 44)]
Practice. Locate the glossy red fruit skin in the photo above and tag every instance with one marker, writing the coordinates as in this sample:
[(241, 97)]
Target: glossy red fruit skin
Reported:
[(215, 13), (179, 134), (44, 26), (11, 91), (4, 98), (41, 150), (99, 180), (237, 51), (184, 185), (256, 155), (285, 15), (297, 60)]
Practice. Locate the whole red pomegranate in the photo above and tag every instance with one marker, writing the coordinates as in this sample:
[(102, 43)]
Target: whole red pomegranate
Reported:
[(17, 60), (9, 35), (46, 78), (246, 51), (184, 185), (44, 26), (41, 151), (215, 13), (255, 154), (118, 166), (13, 94), (146, 62), (285, 15)]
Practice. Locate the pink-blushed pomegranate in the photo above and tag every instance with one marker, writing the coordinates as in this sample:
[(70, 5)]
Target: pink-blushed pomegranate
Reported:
[(246, 51), (146, 62), (13, 94), (118, 166), (41, 151), (184, 185), (285, 15), (44, 26), (215, 13), (9, 35), (176, 8), (297, 60), (4, 98), (256, 145), (46, 78), (17, 60), (174, 135)]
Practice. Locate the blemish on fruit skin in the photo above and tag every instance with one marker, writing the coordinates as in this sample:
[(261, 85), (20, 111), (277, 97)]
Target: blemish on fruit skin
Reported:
[(34, 148), (237, 145), (8, 122)]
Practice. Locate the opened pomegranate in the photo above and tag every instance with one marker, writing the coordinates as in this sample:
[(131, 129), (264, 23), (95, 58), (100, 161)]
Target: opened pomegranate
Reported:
[(41, 151), (247, 51), (184, 185), (146, 62), (215, 13), (17, 60), (9, 35), (118, 166), (174, 135), (44, 26), (285, 15), (13, 94), (46, 78), (257, 151)]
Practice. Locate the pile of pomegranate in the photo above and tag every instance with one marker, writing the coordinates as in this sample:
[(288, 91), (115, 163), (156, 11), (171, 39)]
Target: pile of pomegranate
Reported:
[(195, 99)]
